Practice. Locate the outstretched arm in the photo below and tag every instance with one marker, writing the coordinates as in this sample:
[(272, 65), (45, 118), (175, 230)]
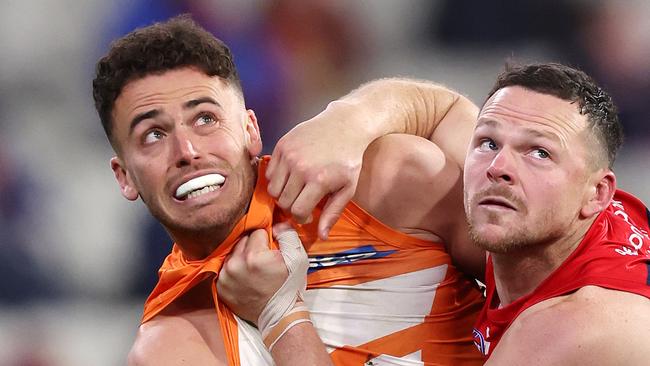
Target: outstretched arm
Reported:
[(323, 156)]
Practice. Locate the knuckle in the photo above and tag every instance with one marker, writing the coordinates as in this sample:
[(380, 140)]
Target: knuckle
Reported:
[(252, 264), (283, 201), (319, 178), (299, 211), (292, 158)]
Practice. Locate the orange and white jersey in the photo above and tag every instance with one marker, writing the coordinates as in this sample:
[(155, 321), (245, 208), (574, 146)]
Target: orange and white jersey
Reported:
[(380, 297)]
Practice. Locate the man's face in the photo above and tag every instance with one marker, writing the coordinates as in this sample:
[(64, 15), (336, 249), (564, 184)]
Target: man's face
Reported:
[(526, 174), (185, 143)]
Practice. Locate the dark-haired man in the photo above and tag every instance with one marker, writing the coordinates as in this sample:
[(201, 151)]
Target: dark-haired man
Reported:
[(382, 289), (568, 272)]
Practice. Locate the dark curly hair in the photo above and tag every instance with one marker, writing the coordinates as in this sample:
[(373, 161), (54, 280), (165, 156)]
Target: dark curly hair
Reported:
[(175, 43), (575, 86)]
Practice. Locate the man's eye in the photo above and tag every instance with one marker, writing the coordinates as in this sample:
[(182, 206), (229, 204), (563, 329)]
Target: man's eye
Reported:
[(488, 145), (205, 119), (152, 136), (541, 154)]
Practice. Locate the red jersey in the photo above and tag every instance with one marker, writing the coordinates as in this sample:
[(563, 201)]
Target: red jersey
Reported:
[(614, 254)]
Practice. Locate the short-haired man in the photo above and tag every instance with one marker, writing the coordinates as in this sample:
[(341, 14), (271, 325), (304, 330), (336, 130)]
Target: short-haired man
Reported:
[(382, 287), (568, 272)]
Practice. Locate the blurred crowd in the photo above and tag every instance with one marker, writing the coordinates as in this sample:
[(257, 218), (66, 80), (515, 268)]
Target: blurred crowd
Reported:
[(78, 261)]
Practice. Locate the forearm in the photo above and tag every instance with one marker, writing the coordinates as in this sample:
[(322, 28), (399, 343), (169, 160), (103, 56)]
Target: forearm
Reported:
[(300, 345), (414, 107)]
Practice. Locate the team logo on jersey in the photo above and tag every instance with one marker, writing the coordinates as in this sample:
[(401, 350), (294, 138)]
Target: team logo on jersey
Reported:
[(480, 342), (346, 257)]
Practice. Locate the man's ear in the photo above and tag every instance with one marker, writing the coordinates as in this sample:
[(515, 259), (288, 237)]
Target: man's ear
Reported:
[(252, 131), (600, 194), (124, 180)]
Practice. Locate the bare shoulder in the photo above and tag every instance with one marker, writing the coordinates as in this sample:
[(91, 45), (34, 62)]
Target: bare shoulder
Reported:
[(590, 326), (411, 185), (176, 340), (406, 181)]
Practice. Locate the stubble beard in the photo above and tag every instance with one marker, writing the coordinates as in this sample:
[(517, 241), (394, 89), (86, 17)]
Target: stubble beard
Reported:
[(220, 222), (515, 238)]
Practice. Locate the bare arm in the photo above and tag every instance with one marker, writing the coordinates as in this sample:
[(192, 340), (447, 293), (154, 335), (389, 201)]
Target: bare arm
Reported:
[(324, 154), (301, 346), (263, 286)]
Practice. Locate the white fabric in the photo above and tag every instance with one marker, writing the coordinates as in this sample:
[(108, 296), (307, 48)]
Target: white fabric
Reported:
[(252, 351), (295, 258), (373, 309)]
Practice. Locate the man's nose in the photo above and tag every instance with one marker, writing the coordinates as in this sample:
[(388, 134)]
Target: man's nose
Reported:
[(502, 167), (186, 149)]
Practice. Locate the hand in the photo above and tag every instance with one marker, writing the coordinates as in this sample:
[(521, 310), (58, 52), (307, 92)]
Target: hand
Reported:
[(319, 157), (253, 274)]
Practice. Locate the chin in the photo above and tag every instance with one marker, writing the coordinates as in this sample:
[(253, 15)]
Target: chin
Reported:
[(494, 239)]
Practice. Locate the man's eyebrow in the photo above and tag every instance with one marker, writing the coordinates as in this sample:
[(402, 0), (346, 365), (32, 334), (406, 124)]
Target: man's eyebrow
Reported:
[(141, 117), (155, 112), (531, 132), (194, 102)]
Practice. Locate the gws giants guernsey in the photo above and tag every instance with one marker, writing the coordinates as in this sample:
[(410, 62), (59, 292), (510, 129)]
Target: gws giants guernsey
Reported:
[(380, 297)]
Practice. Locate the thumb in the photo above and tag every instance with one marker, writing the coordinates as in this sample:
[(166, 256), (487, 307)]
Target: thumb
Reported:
[(295, 257), (332, 211)]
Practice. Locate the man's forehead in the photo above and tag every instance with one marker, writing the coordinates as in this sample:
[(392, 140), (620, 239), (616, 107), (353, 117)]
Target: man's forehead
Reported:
[(532, 109), (174, 86)]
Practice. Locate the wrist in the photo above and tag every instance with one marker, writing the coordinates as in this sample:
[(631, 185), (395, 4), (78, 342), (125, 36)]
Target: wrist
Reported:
[(356, 117), (273, 332)]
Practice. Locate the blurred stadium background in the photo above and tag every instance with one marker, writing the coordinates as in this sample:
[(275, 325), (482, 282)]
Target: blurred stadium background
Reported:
[(77, 260)]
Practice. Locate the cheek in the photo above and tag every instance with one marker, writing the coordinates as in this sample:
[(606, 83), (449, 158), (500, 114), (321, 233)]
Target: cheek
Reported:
[(225, 144), (472, 174), (147, 177)]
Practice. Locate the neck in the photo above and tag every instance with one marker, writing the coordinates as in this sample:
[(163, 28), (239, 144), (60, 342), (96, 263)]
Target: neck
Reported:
[(518, 273)]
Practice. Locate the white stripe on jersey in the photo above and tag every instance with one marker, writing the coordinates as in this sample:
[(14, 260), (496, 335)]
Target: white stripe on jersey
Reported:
[(357, 314)]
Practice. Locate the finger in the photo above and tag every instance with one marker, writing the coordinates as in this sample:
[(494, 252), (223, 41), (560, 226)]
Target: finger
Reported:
[(306, 201), (223, 280), (291, 191), (332, 211), (279, 178), (281, 227), (276, 157), (257, 242), (234, 262), (292, 250), (240, 247)]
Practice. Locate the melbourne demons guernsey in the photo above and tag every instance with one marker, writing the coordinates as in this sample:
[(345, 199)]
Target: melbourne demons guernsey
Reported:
[(380, 297), (614, 254)]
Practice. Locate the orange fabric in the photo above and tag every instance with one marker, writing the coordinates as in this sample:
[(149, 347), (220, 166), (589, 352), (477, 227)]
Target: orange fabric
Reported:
[(443, 338), (177, 274)]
